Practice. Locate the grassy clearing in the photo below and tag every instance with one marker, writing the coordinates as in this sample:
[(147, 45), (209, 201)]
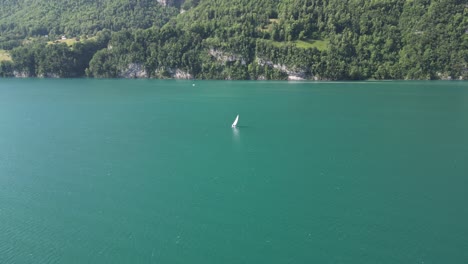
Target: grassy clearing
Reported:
[(277, 43), (312, 43), (308, 43), (4, 55), (69, 42), (72, 41)]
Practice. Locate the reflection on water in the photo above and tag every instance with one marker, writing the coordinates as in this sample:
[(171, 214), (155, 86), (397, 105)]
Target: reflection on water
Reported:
[(235, 135)]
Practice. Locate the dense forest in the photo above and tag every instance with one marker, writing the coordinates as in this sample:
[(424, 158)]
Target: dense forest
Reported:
[(235, 39)]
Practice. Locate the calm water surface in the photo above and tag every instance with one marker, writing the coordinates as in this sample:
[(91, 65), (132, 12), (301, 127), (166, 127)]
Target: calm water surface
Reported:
[(147, 171)]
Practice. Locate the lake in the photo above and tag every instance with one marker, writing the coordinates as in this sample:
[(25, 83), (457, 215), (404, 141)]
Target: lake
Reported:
[(150, 171)]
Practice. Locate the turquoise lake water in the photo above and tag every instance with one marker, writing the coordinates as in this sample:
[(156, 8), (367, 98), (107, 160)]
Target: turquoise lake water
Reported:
[(150, 171)]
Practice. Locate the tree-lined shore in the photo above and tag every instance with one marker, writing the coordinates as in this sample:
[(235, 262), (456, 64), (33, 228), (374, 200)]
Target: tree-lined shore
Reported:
[(237, 39)]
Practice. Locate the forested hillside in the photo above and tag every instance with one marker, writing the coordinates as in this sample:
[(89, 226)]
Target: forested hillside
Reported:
[(80, 17), (236, 39)]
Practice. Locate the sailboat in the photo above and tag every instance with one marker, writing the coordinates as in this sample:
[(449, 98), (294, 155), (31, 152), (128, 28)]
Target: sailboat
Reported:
[(235, 121)]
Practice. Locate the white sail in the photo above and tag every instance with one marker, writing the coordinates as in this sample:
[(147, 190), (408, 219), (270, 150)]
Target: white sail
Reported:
[(235, 121)]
